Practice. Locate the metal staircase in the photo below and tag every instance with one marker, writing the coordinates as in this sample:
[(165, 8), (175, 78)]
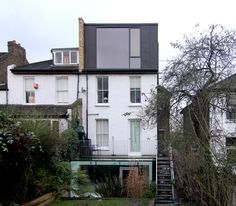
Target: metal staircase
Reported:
[(165, 177)]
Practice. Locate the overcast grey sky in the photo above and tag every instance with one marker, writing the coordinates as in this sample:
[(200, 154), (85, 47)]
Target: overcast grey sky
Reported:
[(39, 25)]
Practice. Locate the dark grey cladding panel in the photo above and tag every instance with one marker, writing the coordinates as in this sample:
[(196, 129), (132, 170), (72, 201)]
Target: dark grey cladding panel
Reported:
[(149, 46), (89, 46)]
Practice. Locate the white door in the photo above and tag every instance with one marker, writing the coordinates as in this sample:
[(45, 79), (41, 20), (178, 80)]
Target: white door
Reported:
[(135, 136)]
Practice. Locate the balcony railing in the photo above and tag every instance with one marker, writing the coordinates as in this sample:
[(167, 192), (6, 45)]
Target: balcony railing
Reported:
[(117, 148)]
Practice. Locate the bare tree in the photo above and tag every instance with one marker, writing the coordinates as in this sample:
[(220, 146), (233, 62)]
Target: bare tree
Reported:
[(203, 59)]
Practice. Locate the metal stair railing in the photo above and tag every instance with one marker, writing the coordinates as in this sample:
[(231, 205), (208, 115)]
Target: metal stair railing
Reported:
[(172, 171)]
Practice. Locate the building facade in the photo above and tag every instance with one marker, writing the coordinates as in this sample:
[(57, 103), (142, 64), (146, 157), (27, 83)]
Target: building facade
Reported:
[(111, 75)]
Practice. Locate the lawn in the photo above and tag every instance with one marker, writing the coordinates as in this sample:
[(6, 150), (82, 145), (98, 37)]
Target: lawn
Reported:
[(103, 202)]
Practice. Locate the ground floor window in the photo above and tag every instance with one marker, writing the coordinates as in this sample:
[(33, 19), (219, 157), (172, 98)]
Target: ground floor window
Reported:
[(102, 133)]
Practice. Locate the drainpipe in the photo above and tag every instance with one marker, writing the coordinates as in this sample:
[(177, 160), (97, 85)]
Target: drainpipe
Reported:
[(86, 104), (77, 96)]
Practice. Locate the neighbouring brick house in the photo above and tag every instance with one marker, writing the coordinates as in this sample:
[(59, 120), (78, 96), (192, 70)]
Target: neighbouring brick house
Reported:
[(15, 55)]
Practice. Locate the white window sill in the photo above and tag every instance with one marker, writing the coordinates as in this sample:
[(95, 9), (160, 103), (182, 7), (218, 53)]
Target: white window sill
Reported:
[(135, 105), (135, 154), (101, 149), (102, 105)]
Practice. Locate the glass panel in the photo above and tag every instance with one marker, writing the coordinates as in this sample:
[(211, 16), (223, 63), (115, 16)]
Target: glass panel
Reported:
[(62, 96), (135, 63), (112, 48), (105, 96), (102, 93), (105, 83), (99, 79), (62, 83), (73, 57), (29, 84), (62, 89), (100, 97), (58, 57), (138, 96), (102, 136), (134, 42), (30, 97), (66, 57), (134, 82), (134, 136), (132, 96)]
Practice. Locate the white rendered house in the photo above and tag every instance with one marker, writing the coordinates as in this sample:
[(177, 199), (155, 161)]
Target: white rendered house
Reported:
[(111, 74)]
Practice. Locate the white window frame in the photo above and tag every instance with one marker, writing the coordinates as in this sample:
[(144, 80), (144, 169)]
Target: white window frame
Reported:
[(63, 90), (135, 89), (102, 90), (62, 57), (25, 90), (104, 133)]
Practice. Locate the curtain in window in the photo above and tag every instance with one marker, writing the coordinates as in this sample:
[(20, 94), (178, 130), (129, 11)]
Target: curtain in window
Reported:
[(62, 89), (29, 90), (102, 133)]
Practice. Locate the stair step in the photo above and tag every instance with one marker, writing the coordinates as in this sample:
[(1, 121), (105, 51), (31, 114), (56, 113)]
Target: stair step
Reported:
[(164, 201), (163, 175)]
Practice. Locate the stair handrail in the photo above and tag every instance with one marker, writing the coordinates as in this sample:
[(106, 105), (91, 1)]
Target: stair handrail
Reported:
[(172, 171)]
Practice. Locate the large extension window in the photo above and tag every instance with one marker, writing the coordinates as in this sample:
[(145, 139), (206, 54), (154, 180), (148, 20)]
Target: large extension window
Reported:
[(29, 90), (65, 57), (62, 89), (135, 89), (102, 133), (118, 48), (102, 89)]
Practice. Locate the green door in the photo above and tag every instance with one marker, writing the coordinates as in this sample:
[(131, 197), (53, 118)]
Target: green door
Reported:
[(135, 135)]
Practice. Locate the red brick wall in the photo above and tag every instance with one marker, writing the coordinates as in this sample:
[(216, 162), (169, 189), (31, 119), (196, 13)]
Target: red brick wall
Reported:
[(16, 55)]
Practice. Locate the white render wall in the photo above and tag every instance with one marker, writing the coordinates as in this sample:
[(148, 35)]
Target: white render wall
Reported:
[(3, 97), (46, 92), (221, 128), (119, 104)]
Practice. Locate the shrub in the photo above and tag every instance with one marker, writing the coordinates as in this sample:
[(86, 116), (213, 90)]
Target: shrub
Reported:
[(110, 186)]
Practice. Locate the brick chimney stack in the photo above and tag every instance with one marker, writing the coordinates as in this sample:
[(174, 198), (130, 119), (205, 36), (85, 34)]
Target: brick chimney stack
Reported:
[(81, 44), (16, 55), (17, 50)]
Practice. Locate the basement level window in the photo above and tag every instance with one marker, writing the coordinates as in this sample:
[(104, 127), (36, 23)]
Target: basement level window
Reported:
[(65, 57)]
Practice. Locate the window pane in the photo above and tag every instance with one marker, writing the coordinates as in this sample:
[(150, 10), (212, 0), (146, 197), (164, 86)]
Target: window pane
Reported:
[(134, 135), (99, 80), (58, 57), (138, 96), (100, 97), (135, 91), (134, 82), (132, 96), (105, 83), (66, 57), (102, 135), (73, 57), (62, 89), (29, 84), (62, 83), (30, 97), (112, 48), (102, 90), (135, 42), (135, 63)]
